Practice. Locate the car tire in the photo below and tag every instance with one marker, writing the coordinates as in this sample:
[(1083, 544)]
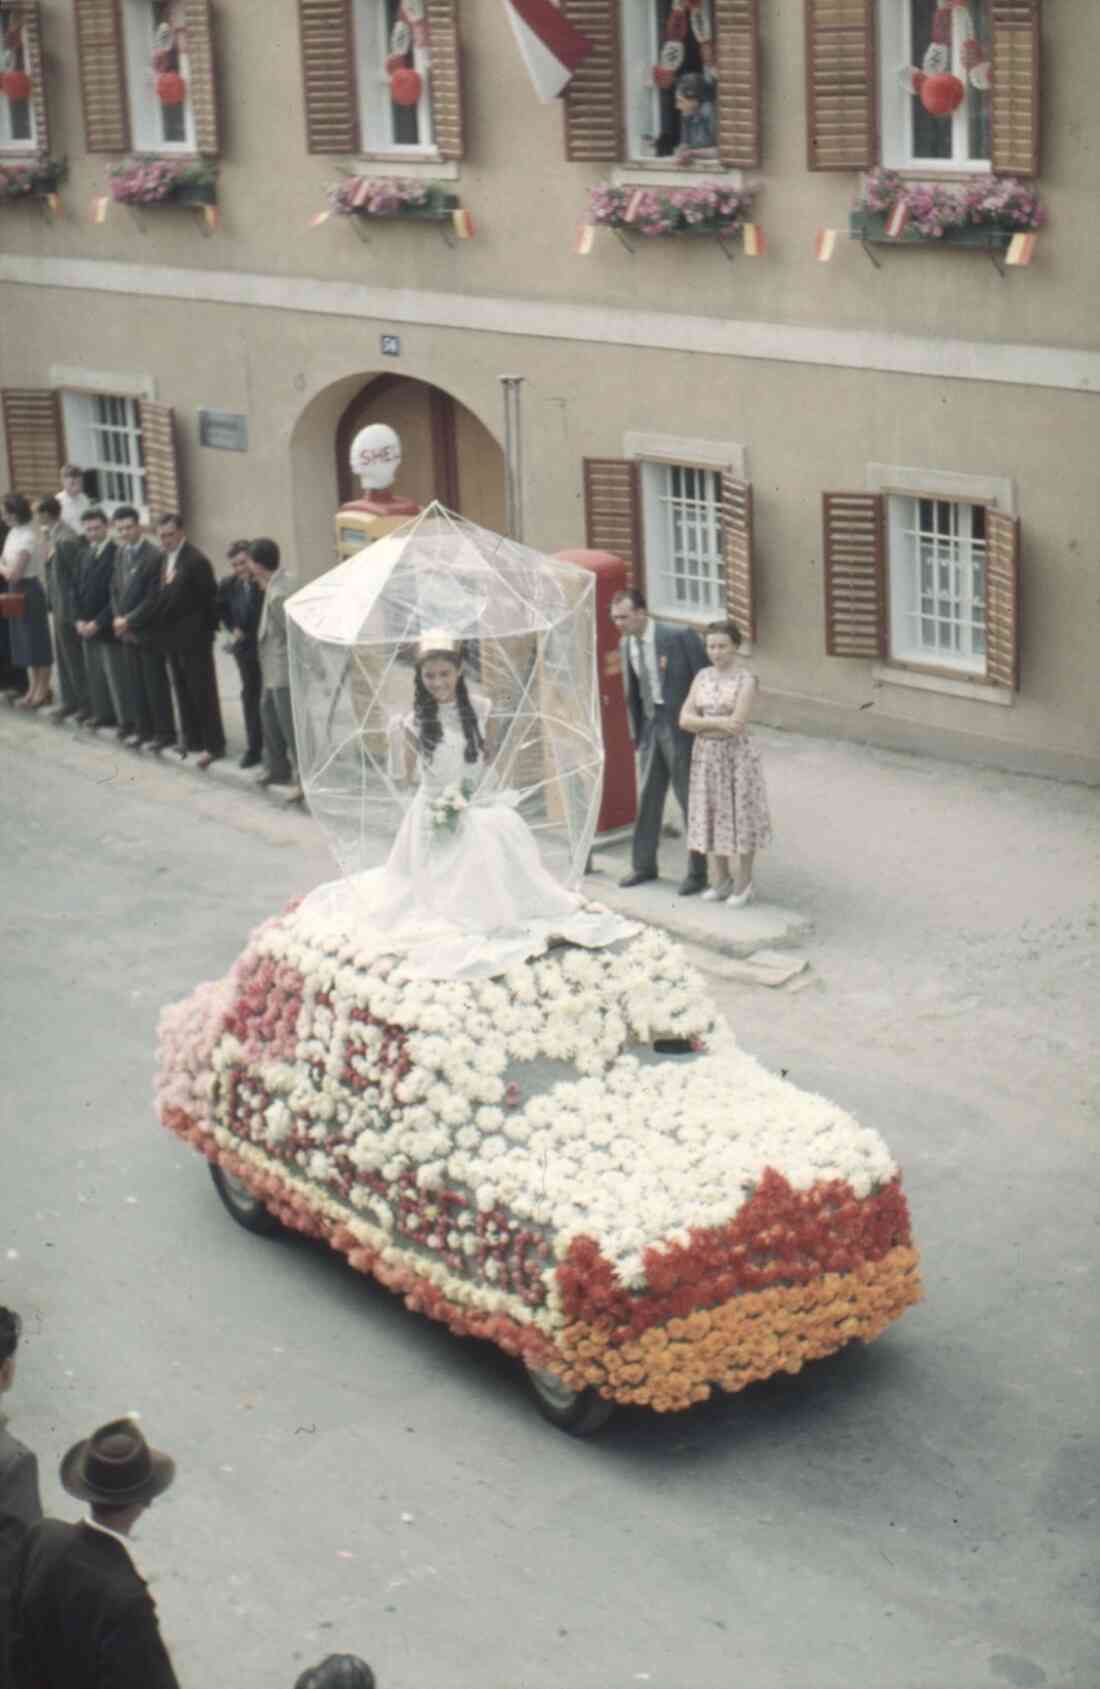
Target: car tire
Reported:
[(580, 1412), (246, 1209)]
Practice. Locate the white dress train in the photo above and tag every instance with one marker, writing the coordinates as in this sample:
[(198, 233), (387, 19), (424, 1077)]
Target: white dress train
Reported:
[(463, 903)]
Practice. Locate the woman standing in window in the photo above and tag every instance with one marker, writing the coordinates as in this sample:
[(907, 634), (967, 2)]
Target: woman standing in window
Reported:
[(728, 803), (21, 568)]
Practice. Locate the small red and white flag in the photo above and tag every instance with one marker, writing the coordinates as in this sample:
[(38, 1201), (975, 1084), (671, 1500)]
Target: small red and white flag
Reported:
[(752, 240), (825, 245), (318, 218), (1021, 249), (899, 216), (633, 205), (586, 239), (550, 46), (463, 224)]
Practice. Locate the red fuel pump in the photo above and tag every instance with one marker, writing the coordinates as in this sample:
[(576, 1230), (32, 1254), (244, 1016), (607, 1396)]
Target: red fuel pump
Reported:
[(619, 803)]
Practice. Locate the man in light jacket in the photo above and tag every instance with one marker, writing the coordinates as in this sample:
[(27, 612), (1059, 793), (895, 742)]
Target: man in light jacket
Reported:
[(280, 753)]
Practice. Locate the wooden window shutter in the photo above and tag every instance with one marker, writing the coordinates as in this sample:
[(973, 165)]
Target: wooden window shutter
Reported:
[(102, 75), (158, 445), (855, 575), (328, 76), (594, 97), (612, 511), (737, 551), (445, 80), (36, 440), (841, 85), (203, 89), (1002, 599), (737, 32), (1015, 88), (31, 19)]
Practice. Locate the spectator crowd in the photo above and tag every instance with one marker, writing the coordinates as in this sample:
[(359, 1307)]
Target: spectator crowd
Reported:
[(75, 1612), (129, 625)]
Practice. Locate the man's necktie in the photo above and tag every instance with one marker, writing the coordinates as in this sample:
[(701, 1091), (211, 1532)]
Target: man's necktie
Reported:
[(644, 681)]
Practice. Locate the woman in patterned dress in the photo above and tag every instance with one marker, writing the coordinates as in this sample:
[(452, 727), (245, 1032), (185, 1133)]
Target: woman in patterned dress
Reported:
[(728, 803)]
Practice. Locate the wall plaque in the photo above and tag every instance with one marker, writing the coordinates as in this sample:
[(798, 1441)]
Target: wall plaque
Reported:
[(227, 431)]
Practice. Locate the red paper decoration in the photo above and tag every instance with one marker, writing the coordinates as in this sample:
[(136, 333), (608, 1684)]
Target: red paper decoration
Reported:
[(171, 88), (406, 87), (396, 61), (663, 77), (17, 85), (941, 95)]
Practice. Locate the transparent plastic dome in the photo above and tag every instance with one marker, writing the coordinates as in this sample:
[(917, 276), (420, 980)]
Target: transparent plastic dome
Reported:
[(527, 626)]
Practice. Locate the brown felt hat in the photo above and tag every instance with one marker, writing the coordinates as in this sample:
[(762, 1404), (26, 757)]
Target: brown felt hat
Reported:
[(116, 1467)]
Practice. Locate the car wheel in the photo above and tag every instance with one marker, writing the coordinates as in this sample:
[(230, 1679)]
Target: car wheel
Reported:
[(246, 1209), (580, 1412)]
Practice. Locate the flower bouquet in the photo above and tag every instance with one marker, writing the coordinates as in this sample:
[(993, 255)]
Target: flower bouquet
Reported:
[(705, 208), (446, 809), (574, 1160), (164, 181)]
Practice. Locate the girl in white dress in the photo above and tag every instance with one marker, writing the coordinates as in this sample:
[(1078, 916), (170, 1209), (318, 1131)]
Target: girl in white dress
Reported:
[(464, 891)]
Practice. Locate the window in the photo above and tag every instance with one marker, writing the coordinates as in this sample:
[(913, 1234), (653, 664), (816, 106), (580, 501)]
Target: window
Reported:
[(936, 563), (383, 41), (911, 137), (923, 574), (103, 434), (859, 54), (353, 54), (656, 124), (684, 528), (682, 519), (155, 38), (615, 110), (123, 48), (18, 127)]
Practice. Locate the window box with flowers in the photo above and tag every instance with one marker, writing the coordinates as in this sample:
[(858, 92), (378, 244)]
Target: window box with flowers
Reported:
[(39, 178), (705, 208), (164, 181), (390, 196), (985, 212)]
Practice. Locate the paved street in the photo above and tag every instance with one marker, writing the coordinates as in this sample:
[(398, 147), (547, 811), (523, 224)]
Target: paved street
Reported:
[(920, 1514)]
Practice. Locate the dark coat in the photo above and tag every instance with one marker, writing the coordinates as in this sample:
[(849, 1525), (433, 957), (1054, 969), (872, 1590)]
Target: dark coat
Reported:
[(239, 606), (93, 588), (680, 655), (135, 576), (62, 570), (85, 1617), (18, 1479), (178, 609)]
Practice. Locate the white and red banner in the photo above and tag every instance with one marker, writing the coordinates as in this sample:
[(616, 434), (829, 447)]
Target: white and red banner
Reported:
[(549, 45)]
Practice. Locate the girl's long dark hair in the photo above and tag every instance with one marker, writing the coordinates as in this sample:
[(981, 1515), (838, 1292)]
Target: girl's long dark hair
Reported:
[(429, 728)]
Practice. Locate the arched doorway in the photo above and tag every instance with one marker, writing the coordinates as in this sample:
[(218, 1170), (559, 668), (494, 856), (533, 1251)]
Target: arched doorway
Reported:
[(447, 454)]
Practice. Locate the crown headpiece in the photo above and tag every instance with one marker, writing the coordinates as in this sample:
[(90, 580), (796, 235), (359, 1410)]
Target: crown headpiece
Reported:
[(437, 639)]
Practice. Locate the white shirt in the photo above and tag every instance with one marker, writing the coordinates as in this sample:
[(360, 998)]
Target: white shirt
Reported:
[(170, 571), (25, 539), (73, 506), (645, 649)]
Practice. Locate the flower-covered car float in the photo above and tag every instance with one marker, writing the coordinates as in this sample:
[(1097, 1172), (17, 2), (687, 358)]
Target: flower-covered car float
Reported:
[(574, 1160)]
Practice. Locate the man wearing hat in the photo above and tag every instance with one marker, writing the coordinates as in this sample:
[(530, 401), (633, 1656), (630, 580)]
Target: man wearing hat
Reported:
[(85, 1619)]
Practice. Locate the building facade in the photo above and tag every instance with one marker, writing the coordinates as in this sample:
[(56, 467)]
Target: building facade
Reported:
[(882, 463)]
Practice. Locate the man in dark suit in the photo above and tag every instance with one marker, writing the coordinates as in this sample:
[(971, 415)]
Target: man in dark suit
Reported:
[(83, 1616), (65, 550), (240, 602), (18, 1466), (659, 662), (93, 614), (181, 618), (139, 673)]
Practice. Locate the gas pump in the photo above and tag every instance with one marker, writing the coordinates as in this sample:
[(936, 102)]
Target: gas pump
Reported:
[(618, 806), (375, 458)]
